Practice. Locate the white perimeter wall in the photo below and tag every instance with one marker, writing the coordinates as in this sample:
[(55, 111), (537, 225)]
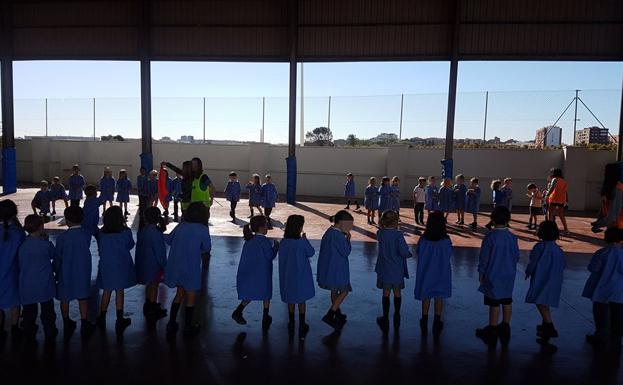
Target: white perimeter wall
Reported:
[(321, 170)]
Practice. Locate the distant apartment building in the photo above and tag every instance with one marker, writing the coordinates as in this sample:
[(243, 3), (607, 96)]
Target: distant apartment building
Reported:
[(187, 139), (548, 136), (384, 137), (592, 135)]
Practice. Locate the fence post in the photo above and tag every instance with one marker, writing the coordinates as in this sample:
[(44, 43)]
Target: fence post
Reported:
[(402, 103), (484, 130), (204, 120), (46, 117), (94, 119)]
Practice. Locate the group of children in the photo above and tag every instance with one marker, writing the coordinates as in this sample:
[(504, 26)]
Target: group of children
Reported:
[(261, 195)]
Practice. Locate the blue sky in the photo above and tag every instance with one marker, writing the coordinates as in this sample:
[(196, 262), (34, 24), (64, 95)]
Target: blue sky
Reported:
[(365, 97)]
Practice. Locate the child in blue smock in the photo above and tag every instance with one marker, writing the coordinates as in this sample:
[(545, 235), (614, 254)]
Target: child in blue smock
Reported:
[(232, 194), (91, 209), (115, 270), (255, 194), (498, 198), (150, 261), (76, 186), (431, 195), (459, 190), (269, 199), (507, 189), (545, 270), (36, 280), (123, 187), (371, 200), (391, 266), (433, 277), (385, 197), (57, 191), (446, 197), (333, 272), (151, 186), (349, 191), (296, 281), (605, 288), (72, 267), (107, 187), (254, 279), (472, 201), (395, 194), (190, 242), (41, 201), (176, 193), (497, 267), (11, 237)]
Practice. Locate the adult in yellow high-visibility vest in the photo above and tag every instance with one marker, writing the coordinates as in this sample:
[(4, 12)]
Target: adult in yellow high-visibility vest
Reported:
[(198, 187)]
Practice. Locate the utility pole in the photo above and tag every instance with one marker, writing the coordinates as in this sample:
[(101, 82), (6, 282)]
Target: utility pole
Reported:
[(329, 114), (204, 120), (263, 118), (402, 104), (302, 118), (575, 117), (484, 130), (94, 119), (46, 117)]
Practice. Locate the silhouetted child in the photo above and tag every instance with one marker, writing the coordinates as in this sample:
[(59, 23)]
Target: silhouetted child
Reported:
[(419, 200), (76, 185), (431, 195), (604, 287), (57, 191), (391, 266), (497, 267), (116, 270), (254, 280), (232, 194), (350, 191), (152, 189), (333, 271), (41, 201), (296, 281), (255, 194), (124, 185), (385, 197), (168, 197), (433, 278), (176, 193), (269, 199), (446, 197), (151, 259), (545, 270), (394, 192), (11, 237), (36, 280), (91, 209), (107, 187), (72, 266), (498, 199), (460, 191), (507, 188), (371, 200), (536, 205), (472, 201), (190, 242)]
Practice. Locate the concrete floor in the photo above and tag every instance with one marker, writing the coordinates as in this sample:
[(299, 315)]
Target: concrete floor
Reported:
[(227, 353)]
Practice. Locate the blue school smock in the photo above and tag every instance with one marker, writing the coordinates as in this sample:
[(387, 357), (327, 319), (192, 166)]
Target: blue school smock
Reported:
[(151, 254), (433, 277), (446, 198), (123, 190), (72, 264), (333, 271), (349, 189), (151, 185), (116, 267), (188, 242), (459, 196), (605, 284), (57, 191), (176, 189), (391, 263), (472, 201), (499, 254), (255, 194), (394, 192), (42, 201), (545, 269), (385, 199), (232, 191), (371, 198), (76, 186), (254, 279), (36, 276), (107, 188), (296, 281), (91, 209), (269, 195), (508, 196), (431, 198), (499, 198), (141, 185), (9, 268)]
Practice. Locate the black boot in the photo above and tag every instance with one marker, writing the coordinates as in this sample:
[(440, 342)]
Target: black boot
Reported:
[(504, 333), (69, 326), (437, 327), (488, 334)]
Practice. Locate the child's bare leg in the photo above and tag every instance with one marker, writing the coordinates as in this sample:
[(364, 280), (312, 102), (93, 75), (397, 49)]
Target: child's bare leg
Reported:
[(507, 311), (65, 309), (545, 313), (119, 299), (53, 206), (66, 203), (494, 313), (105, 301), (339, 298), (14, 315), (266, 304), (563, 220), (191, 297), (83, 305), (425, 307), (438, 306)]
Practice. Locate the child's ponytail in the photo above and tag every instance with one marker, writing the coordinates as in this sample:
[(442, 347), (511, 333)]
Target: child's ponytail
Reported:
[(8, 212), (253, 226), (246, 232)]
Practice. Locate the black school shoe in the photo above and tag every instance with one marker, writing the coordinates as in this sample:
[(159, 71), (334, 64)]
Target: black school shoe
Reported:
[(488, 334), (546, 331), (303, 330), (121, 324), (267, 320), (86, 330), (69, 326), (424, 325), (50, 336), (504, 333), (396, 321), (237, 316), (383, 323), (437, 328), (473, 226), (291, 329)]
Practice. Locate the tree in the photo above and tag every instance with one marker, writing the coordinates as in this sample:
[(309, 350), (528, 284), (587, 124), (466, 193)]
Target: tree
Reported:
[(319, 136), (351, 140)]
